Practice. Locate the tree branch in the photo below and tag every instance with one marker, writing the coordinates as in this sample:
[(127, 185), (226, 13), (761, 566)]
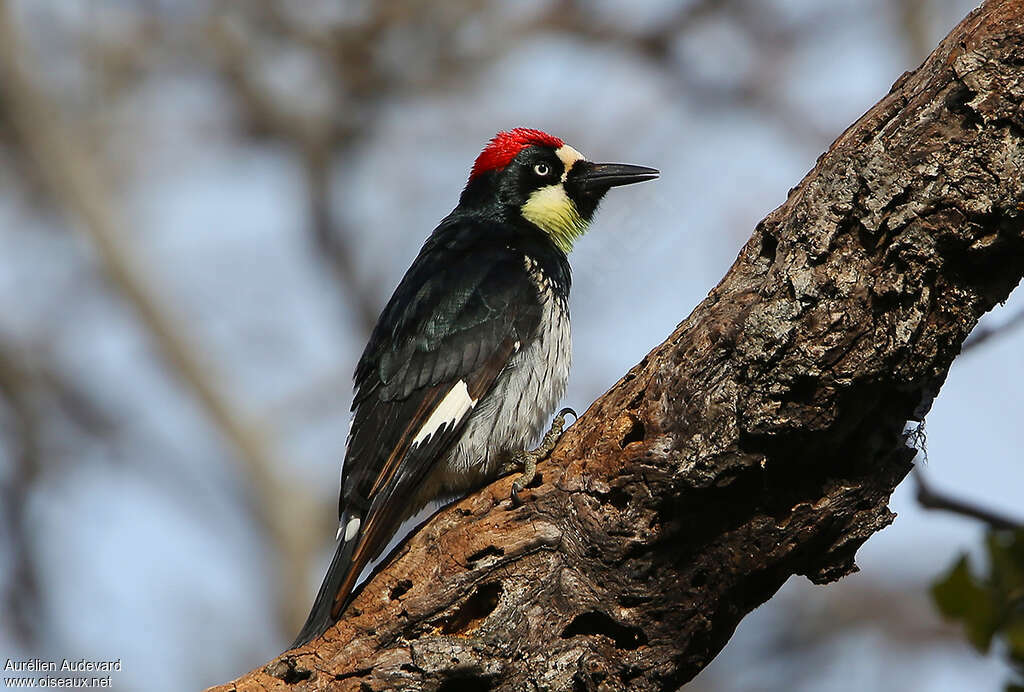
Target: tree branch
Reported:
[(762, 439), (983, 335), (929, 498)]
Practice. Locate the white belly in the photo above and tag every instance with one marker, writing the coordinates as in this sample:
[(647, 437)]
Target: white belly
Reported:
[(518, 409), (511, 418)]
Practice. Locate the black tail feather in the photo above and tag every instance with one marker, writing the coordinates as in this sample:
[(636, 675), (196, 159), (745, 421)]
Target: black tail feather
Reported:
[(320, 616)]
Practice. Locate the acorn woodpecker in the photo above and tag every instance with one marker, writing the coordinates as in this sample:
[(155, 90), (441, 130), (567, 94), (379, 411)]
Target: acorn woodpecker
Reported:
[(471, 354)]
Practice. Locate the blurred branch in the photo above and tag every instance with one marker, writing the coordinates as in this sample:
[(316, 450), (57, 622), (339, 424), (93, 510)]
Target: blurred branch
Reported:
[(332, 237), (914, 16), (330, 392), (984, 334), (317, 141), (756, 91), (76, 182), (929, 498), (22, 596)]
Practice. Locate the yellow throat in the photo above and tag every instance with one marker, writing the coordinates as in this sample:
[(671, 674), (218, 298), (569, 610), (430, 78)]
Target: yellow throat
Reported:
[(550, 208)]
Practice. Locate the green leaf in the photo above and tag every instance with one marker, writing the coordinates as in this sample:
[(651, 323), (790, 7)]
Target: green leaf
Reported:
[(960, 597), (1013, 633), (1006, 556)]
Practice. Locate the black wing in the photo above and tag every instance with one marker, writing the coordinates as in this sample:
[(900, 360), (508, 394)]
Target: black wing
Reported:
[(465, 306)]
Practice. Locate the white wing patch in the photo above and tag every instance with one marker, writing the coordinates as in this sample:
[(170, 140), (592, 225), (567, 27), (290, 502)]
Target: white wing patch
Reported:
[(455, 404), (351, 529)]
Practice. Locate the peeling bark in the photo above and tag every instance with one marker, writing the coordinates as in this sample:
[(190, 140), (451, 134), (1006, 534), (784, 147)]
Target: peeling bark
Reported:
[(762, 439)]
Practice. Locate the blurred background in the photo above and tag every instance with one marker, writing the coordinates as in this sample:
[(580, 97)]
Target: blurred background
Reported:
[(204, 205)]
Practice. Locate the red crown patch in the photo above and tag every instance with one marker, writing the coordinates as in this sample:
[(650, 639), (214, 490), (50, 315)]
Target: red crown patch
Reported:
[(504, 146)]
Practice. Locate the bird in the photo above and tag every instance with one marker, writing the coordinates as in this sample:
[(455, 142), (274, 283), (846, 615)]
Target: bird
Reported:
[(471, 354)]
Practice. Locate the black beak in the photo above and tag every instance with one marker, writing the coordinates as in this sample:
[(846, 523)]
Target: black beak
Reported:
[(601, 176)]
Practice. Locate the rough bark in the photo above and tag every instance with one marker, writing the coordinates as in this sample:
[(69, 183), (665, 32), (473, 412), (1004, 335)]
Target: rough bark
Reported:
[(761, 440)]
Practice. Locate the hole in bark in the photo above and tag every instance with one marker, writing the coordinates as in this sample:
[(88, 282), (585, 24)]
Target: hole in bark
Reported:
[(596, 622), (769, 246), (629, 673), (637, 550), (616, 497), (635, 402), (489, 551), (413, 632), (700, 578), (802, 388), (288, 671), (634, 434), (633, 600), (399, 589), (466, 683), (358, 673), (475, 609), (958, 101), (581, 682), (868, 240)]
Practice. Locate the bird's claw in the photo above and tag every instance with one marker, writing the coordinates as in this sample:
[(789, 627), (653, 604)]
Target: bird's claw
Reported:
[(527, 459)]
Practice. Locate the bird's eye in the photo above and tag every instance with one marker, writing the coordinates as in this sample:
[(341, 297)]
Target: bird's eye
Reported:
[(541, 169)]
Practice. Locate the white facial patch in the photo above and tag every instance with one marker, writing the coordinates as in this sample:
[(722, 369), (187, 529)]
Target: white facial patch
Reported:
[(455, 404), (568, 156)]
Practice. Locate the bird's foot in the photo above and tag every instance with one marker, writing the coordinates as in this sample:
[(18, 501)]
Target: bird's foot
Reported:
[(526, 460)]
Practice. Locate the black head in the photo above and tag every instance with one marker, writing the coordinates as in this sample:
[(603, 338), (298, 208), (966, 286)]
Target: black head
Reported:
[(545, 181)]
